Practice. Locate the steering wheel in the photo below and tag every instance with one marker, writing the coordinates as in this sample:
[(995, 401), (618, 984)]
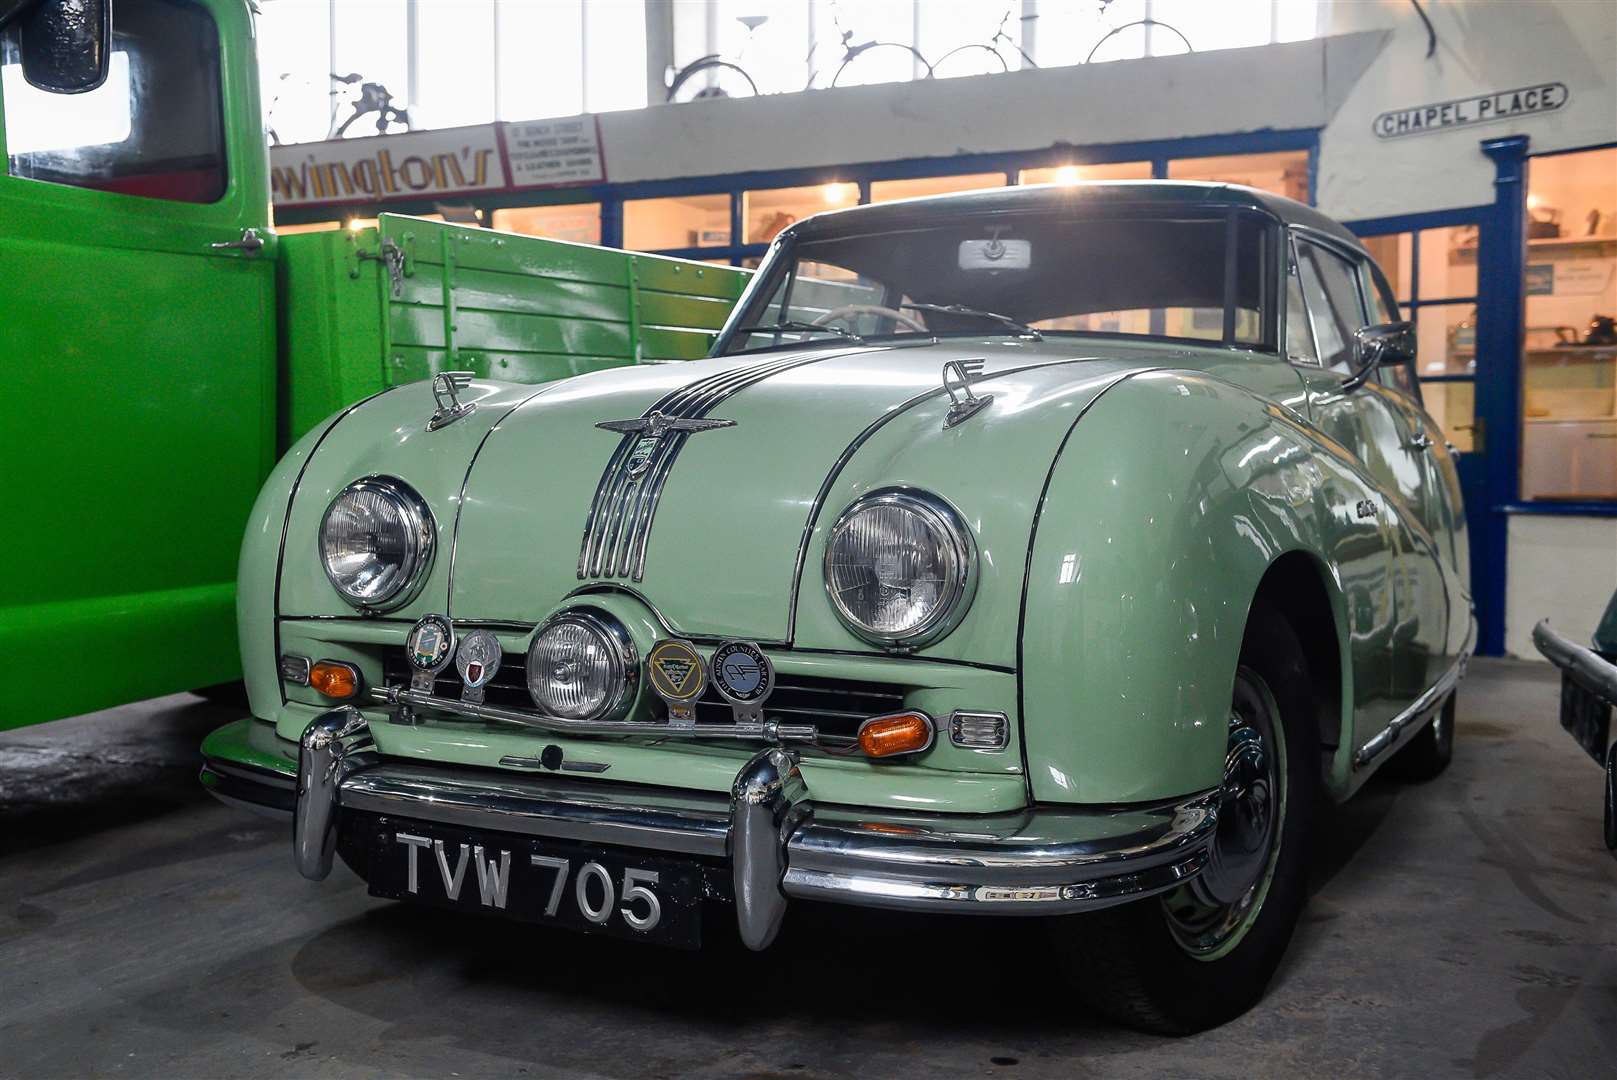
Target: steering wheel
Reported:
[(847, 310)]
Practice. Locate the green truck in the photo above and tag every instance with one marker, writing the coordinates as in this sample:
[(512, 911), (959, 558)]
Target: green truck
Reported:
[(163, 346)]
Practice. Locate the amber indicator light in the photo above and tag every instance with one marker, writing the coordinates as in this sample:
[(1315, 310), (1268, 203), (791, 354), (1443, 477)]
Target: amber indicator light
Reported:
[(334, 680), (900, 733)]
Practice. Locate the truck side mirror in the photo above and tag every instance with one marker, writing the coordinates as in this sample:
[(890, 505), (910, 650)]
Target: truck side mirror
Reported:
[(65, 44), (1383, 343)]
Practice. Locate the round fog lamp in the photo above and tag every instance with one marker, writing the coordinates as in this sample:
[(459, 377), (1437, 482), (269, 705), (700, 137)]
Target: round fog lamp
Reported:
[(582, 666)]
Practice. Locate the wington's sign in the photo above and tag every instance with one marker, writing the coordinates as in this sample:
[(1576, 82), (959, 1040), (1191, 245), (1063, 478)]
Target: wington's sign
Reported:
[(437, 164), (1464, 112)]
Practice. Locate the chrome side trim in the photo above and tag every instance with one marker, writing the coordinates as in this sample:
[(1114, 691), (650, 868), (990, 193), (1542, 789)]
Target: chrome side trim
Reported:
[(1383, 740)]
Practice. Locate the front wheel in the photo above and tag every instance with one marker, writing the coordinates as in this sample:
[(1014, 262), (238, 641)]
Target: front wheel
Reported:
[(1202, 954)]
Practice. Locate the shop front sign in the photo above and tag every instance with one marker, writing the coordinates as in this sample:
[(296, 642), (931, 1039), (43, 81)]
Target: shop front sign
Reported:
[(432, 165), (1478, 109)]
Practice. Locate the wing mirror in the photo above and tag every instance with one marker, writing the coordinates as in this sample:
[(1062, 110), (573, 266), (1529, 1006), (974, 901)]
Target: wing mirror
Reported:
[(1383, 343), (65, 44)]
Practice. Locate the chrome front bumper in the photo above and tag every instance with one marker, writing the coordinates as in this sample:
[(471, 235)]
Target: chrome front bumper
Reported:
[(778, 843)]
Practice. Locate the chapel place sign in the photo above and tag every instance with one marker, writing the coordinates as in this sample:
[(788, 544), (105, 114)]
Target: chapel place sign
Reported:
[(432, 164), (1464, 112)]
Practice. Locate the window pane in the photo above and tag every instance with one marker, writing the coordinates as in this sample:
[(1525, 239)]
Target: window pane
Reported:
[(765, 213), (614, 55), (889, 23), (372, 42), (541, 60), (1448, 262), (680, 222), (1299, 338), (957, 37), (887, 190), (294, 68), (773, 52), (455, 78), (1453, 406), (1446, 339), (1392, 253), (1072, 174), (1334, 309), (1283, 173), (578, 222), (1068, 30), (154, 128), (1228, 24)]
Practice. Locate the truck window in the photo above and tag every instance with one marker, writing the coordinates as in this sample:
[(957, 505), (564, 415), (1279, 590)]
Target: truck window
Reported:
[(155, 128)]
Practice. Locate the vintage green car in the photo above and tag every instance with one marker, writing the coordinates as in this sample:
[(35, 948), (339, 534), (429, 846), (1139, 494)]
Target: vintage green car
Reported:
[(1030, 552)]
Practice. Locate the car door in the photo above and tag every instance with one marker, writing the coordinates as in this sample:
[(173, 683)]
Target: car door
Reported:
[(1408, 633), (1441, 507), (139, 359)]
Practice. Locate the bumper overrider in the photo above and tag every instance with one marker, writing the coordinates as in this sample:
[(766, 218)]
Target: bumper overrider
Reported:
[(775, 841)]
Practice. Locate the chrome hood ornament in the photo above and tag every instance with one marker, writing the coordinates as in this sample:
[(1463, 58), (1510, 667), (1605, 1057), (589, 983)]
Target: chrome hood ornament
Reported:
[(651, 428), (446, 388), (963, 404)]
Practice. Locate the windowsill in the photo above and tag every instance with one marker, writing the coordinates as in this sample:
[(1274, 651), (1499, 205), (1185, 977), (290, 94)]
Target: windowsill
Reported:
[(1563, 508)]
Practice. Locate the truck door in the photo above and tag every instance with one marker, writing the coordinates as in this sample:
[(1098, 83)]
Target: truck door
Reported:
[(137, 344)]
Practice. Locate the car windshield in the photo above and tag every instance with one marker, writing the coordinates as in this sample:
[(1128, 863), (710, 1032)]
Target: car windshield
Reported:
[(1174, 275)]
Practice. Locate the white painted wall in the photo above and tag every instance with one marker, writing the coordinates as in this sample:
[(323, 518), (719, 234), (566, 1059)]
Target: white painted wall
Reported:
[(1564, 568), (1372, 60), (1482, 47)]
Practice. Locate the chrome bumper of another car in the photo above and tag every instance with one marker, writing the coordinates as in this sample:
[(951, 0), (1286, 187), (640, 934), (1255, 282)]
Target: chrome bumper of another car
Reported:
[(778, 843), (1588, 694)]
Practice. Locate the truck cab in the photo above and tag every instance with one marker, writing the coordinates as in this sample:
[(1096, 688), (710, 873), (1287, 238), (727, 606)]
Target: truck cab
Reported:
[(163, 346)]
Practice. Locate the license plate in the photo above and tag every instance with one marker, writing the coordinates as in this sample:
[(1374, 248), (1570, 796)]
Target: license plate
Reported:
[(577, 886), (1586, 717)]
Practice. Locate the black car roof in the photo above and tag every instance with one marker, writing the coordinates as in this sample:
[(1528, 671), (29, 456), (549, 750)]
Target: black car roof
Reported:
[(1092, 194)]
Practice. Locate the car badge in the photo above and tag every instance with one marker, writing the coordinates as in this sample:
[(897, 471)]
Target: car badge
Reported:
[(429, 648), (651, 428), (477, 659), (745, 678), (678, 676)]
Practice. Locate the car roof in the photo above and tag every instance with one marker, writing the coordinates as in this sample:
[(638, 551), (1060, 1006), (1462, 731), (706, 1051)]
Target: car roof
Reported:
[(1086, 195)]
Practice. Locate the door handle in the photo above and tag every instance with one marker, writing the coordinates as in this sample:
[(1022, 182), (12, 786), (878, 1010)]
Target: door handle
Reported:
[(1420, 442), (250, 244)]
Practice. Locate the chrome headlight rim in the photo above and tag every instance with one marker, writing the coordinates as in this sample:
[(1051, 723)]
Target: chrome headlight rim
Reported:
[(962, 551), (422, 532), (621, 651)]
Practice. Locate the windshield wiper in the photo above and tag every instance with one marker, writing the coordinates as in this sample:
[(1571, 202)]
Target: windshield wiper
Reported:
[(797, 327), (1022, 329)]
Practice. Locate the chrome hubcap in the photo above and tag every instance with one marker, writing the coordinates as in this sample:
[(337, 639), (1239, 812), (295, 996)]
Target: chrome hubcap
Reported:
[(1213, 909)]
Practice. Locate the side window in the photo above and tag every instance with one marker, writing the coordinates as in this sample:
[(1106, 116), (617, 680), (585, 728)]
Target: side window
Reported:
[(1299, 338), (155, 128), (1331, 287)]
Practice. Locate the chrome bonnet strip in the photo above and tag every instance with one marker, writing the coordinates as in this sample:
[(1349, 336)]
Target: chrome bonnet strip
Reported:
[(618, 523)]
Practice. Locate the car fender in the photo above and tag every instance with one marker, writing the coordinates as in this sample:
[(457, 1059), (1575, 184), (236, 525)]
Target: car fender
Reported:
[(1164, 509)]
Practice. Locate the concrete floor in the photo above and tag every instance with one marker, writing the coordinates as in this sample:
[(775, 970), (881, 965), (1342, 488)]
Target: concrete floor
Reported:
[(1467, 927)]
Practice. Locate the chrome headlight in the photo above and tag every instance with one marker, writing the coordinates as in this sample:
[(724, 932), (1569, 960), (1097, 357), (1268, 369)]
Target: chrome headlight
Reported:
[(582, 666), (900, 568), (376, 543)]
